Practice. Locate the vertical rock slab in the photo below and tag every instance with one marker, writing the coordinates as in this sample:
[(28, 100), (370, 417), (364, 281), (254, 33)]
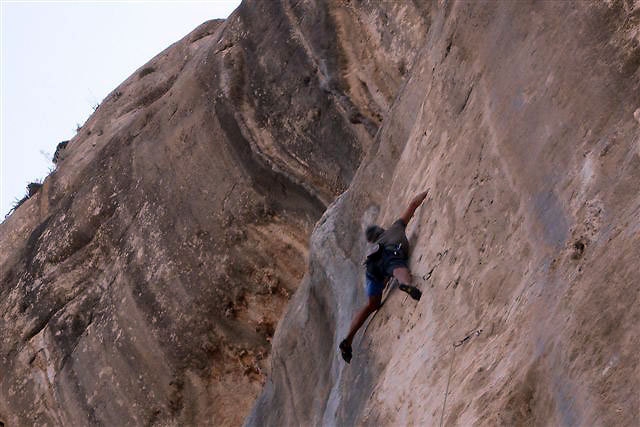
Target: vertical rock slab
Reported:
[(521, 118)]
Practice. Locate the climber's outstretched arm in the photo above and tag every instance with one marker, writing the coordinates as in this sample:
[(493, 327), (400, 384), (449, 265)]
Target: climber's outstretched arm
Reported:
[(417, 201)]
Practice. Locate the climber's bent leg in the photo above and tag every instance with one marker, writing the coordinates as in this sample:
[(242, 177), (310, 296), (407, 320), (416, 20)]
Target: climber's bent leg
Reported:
[(404, 278)]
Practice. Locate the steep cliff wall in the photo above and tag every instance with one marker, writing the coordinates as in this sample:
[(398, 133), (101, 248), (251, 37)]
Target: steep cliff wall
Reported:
[(142, 284), (524, 120)]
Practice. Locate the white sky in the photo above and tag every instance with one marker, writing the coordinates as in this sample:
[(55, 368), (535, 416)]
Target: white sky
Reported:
[(59, 59)]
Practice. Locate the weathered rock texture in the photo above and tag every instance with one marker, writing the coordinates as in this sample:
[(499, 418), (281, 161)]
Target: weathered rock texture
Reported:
[(524, 120), (143, 283)]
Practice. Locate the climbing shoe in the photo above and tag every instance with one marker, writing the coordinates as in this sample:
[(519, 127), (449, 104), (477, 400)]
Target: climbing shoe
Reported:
[(345, 350), (411, 290)]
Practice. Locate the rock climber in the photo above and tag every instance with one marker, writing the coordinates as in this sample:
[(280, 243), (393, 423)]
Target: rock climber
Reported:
[(389, 258)]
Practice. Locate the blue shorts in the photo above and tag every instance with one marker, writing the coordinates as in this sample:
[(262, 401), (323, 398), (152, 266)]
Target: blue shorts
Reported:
[(373, 286)]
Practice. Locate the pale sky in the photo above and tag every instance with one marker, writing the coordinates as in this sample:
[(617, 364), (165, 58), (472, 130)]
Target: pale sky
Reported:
[(59, 59)]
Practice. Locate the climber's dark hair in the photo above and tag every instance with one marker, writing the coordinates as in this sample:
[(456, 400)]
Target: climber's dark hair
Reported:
[(373, 232)]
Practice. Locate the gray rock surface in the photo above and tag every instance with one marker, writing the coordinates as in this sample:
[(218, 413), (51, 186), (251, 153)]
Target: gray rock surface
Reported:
[(142, 284), (523, 119)]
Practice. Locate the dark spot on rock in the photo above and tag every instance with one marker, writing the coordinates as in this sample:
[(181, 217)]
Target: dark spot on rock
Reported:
[(632, 61), (402, 67), (448, 49), (578, 249), (154, 417), (355, 117), (24, 305), (175, 397), (146, 71), (265, 328)]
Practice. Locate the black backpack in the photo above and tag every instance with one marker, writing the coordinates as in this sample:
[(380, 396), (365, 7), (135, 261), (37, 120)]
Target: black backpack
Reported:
[(375, 258), (375, 262)]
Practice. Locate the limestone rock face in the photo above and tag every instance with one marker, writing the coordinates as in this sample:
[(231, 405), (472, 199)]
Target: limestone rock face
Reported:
[(523, 118), (143, 283)]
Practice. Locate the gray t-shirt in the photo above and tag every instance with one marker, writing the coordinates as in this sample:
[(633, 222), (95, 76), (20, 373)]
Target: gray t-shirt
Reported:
[(395, 235)]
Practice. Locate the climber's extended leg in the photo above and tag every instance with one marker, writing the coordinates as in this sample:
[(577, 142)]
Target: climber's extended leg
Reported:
[(372, 305)]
